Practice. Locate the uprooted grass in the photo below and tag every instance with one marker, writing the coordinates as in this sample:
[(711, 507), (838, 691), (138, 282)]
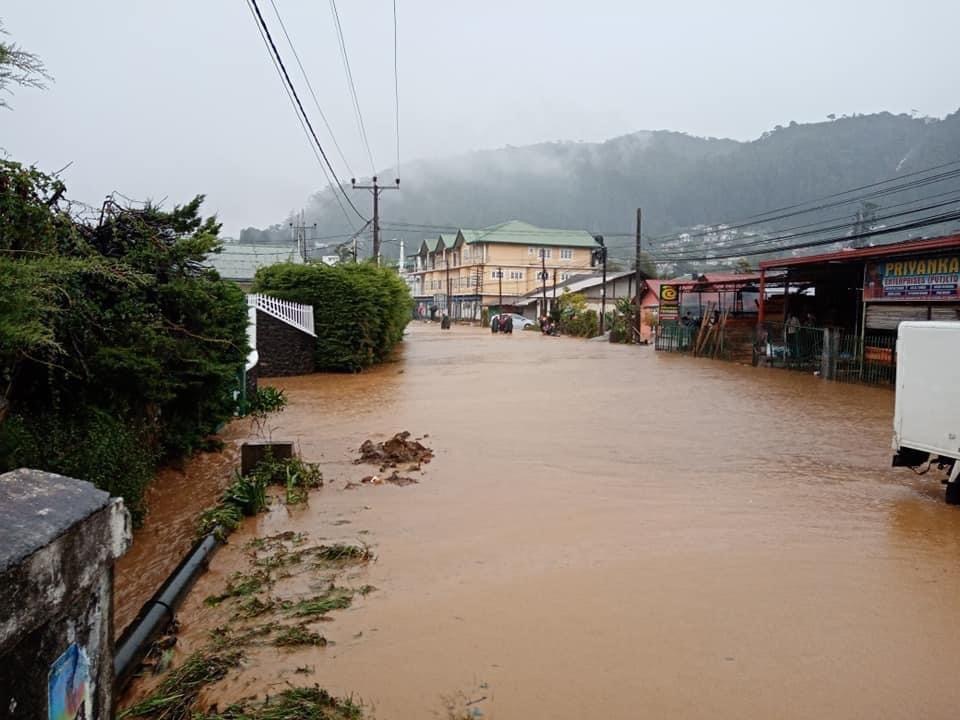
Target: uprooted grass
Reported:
[(341, 553), (175, 697), (225, 637), (298, 635), (242, 585), (334, 598), (253, 607), (293, 704)]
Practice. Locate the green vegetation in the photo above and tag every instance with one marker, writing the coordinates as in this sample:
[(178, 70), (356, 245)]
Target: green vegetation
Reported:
[(19, 67), (118, 346), (293, 704), (298, 635), (175, 697), (621, 321), (334, 598), (340, 553), (247, 495), (242, 585), (573, 316), (359, 310)]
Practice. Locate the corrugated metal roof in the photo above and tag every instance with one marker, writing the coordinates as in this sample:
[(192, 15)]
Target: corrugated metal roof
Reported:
[(947, 242), (240, 262), (581, 282)]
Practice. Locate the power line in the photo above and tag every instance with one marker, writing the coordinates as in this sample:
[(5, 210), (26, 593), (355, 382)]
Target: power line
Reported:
[(303, 125), (783, 215), (912, 225), (299, 105), (306, 80), (396, 85), (353, 87), (788, 236)]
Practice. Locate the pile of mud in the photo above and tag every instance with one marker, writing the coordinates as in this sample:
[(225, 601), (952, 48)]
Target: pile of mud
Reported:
[(398, 449)]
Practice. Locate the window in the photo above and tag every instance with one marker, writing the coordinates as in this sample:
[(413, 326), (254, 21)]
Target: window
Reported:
[(496, 274), (516, 274), (564, 277), (545, 253), (531, 251), (566, 253)]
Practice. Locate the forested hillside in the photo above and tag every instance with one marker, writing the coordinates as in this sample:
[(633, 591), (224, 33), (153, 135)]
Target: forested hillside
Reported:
[(680, 181)]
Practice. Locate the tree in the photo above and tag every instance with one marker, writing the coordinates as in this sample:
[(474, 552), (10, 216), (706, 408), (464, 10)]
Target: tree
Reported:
[(119, 346), (19, 67)]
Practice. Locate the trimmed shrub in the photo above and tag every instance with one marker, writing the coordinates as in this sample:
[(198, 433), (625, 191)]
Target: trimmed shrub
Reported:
[(359, 310)]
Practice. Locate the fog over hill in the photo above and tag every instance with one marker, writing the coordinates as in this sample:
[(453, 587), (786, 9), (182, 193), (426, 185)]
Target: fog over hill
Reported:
[(680, 181)]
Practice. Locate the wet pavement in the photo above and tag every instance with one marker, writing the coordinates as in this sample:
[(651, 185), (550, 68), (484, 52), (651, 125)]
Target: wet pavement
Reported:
[(606, 531)]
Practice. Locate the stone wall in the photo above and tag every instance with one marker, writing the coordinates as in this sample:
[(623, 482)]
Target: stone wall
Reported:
[(59, 538), (283, 349)]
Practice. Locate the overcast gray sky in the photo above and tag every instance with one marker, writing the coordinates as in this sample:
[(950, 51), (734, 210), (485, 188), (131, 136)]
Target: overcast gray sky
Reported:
[(169, 99)]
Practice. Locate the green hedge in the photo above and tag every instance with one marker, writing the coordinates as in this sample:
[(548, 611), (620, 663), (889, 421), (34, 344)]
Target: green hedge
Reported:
[(359, 310)]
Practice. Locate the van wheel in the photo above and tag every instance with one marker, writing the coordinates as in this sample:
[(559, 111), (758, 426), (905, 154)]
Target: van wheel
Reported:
[(953, 493)]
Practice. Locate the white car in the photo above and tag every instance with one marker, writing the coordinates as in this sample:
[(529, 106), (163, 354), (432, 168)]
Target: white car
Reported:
[(519, 321)]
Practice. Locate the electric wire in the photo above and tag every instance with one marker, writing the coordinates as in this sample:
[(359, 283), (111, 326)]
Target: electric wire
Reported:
[(789, 236), (306, 80), (912, 225), (353, 87), (300, 119), (396, 86), (268, 39)]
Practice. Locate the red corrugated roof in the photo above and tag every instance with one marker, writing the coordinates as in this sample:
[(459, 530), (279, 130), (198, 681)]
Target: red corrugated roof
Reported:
[(901, 248)]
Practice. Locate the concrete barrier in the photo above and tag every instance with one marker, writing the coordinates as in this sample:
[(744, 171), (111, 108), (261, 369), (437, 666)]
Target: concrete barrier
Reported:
[(59, 538)]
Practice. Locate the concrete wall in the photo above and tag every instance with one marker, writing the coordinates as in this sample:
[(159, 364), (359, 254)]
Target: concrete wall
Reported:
[(59, 538), (284, 350)]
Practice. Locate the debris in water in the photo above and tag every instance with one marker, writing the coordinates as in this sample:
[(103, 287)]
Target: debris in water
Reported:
[(398, 449), (394, 478)]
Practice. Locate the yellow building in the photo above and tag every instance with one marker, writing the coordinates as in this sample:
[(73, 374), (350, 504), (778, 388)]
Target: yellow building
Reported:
[(473, 269)]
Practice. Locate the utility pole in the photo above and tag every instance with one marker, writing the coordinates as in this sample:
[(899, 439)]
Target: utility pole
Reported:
[(500, 278), (299, 232), (446, 262), (554, 287), (637, 278), (600, 254), (543, 279), (376, 190)]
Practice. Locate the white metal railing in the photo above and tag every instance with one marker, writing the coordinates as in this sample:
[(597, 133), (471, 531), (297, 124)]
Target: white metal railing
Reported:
[(294, 314)]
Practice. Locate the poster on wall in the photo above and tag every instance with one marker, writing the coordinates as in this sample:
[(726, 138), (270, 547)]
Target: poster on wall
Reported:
[(669, 303), (918, 278), (68, 686)]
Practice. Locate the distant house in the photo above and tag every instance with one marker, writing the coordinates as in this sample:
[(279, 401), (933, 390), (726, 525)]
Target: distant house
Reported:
[(240, 262), (464, 272)]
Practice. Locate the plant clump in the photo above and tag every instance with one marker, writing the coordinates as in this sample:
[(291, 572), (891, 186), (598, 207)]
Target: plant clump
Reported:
[(176, 696), (293, 704), (298, 635), (247, 494)]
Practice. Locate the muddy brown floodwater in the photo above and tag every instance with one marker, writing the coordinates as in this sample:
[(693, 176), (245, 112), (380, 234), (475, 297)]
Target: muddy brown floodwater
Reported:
[(609, 532)]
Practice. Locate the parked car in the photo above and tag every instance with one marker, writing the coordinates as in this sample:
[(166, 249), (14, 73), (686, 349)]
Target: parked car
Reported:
[(519, 321)]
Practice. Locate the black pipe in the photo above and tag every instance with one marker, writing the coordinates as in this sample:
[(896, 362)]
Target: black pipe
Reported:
[(157, 613)]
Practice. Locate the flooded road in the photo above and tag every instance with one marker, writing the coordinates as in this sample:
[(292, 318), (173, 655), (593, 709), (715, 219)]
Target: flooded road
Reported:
[(606, 531), (175, 499)]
